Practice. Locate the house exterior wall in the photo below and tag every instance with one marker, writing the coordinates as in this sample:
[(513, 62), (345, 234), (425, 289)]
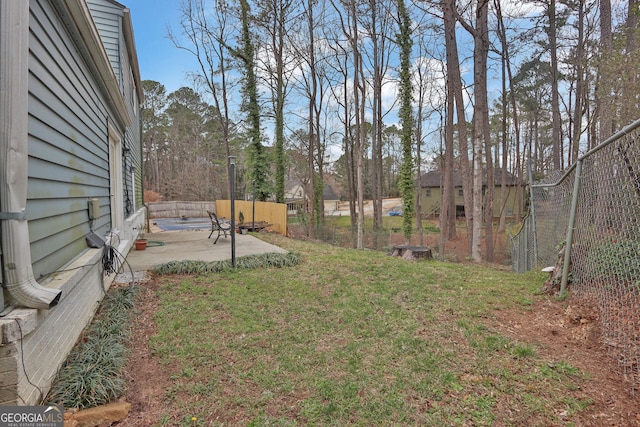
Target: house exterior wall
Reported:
[(431, 200), (68, 154), (295, 193), (132, 169), (511, 201), (111, 21), (108, 19), (71, 109), (37, 342)]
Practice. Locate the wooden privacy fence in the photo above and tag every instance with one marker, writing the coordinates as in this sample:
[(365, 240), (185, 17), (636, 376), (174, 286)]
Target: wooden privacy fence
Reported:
[(272, 213)]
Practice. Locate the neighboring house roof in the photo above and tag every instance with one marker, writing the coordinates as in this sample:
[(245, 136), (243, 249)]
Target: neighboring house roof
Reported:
[(292, 184), (330, 193), (433, 179)]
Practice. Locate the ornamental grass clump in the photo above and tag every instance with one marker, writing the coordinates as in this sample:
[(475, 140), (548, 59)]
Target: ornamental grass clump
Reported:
[(248, 262), (92, 374)]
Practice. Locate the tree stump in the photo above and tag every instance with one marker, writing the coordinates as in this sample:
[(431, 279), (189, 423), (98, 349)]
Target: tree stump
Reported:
[(552, 284), (412, 253)]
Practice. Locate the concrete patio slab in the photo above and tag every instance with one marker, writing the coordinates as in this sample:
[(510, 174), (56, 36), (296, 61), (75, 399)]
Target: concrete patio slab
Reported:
[(193, 245)]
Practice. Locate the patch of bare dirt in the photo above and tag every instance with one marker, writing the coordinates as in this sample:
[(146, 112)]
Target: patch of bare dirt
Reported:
[(148, 379), (569, 331)]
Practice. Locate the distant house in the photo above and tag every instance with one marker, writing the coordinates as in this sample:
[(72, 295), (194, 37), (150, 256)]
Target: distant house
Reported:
[(431, 187), (294, 190), (70, 158), (296, 194)]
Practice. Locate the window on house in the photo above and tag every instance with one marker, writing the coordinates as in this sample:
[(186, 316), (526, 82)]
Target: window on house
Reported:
[(427, 192), (460, 192)]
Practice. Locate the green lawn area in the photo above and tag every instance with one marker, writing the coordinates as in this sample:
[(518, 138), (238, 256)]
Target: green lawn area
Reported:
[(352, 337), (344, 221)]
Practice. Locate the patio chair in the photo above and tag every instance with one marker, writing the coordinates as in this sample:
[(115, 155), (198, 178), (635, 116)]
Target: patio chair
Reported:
[(222, 227)]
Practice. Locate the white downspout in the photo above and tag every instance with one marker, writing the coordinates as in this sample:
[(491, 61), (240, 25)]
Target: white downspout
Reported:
[(14, 97)]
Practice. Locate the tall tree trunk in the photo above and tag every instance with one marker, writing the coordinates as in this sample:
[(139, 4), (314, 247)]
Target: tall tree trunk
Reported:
[(453, 73), (482, 102), (555, 100), (279, 10), (577, 112), (503, 160), (491, 188), (605, 86), (506, 61), (320, 151), (349, 160), (351, 32), (632, 26), (605, 108), (480, 124), (343, 98), (311, 194), (476, 230), (419, 140), (351, 179), (376, 123), (418, 169), (519, 172), (156, 173), (630, 93), (448, 204), (378, 27)]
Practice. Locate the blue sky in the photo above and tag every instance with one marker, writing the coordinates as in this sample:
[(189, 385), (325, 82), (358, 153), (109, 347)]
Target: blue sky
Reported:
[(159, 59)]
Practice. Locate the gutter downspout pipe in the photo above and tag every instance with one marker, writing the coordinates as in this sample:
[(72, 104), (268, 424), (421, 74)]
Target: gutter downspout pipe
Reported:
[(146, 208), (14, 95)]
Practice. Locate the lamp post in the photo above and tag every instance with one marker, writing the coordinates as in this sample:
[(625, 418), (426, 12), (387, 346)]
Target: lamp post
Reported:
[(253, 206), (232, 180)]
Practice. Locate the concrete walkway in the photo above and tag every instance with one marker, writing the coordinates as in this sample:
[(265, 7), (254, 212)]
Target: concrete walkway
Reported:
[(193, 245)]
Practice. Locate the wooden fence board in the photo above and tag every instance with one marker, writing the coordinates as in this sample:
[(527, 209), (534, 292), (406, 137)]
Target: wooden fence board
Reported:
[(272, 213)]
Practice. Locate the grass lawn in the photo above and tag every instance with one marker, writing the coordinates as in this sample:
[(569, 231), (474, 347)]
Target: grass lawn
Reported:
[(353, 337)]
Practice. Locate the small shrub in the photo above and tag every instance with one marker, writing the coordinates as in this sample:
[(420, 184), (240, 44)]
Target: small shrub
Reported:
[(615, 260), (151, 196)]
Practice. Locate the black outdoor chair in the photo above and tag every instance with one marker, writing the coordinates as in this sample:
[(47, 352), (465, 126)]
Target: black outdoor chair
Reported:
[(222, 227)]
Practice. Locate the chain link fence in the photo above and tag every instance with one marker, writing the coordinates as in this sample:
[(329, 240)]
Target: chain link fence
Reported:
[(592, 213)]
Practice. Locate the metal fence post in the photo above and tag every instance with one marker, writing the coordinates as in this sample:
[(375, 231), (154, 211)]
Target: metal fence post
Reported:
[(571, 227), (532, 216), (232, 178)]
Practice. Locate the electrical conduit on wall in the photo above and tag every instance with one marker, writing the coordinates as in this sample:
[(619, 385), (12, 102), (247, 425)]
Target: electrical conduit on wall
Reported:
[(14, 231)]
